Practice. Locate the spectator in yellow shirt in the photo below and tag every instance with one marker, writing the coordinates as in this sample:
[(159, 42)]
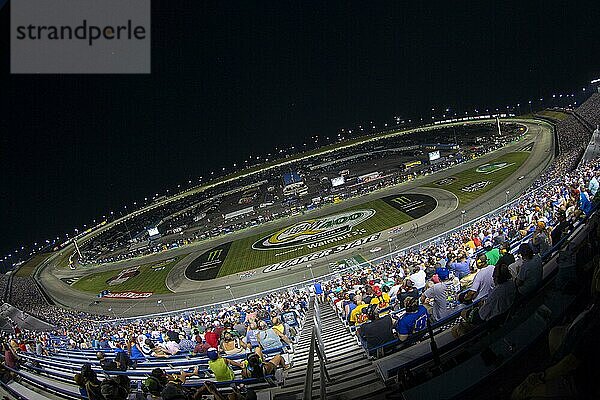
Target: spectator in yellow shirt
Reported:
[(380, 298), (356, 316)]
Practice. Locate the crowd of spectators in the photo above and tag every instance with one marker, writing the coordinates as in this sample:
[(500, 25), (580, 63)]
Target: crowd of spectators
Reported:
[(3, 287), (247, 328), (427, 282), (25, 295), (471, 264), (588, 111)]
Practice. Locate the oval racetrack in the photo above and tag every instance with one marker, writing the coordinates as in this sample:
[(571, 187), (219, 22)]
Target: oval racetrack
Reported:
[(446, 215)]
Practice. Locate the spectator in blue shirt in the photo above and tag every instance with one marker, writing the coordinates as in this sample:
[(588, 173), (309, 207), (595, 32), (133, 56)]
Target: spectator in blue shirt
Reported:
[(319, 292), (413, 321), (460, 266)]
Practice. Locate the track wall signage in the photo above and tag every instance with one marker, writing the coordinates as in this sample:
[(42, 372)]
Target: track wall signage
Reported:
[(314, 230)]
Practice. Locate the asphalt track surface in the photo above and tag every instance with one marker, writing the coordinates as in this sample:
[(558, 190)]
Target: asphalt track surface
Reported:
[(446, 216)]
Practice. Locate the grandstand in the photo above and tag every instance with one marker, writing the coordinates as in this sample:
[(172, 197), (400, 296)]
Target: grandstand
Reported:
[(339, 335), (293, 184)]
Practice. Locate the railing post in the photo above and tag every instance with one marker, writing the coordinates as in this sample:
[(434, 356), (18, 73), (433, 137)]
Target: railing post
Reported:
[(320, 346), (316, 345), (308, 381), (322, 377), (433, 345)]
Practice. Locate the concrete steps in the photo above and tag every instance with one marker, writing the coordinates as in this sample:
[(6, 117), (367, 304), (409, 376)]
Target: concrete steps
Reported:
[(352, 374)]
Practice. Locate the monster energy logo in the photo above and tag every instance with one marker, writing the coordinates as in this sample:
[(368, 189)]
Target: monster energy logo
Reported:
[(407, 204), (402, 200), (214, 255)]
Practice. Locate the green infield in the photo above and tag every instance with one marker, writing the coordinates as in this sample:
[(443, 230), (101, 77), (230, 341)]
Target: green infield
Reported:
[(261, 250), (144, 278), (472, 183)]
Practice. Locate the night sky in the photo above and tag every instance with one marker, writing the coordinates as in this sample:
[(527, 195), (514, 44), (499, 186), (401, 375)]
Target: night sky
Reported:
[(234, 79)]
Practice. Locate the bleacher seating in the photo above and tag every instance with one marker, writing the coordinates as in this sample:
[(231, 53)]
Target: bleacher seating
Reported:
[(354, 365)]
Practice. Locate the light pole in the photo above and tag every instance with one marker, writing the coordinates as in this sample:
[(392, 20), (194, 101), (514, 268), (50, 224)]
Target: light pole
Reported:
[(159, 302), (507, 193), (390, 243), (462, 217), (111, 310), (309, 266), (230, 292)]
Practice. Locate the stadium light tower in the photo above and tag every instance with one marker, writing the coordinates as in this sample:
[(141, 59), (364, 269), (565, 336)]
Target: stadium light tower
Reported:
[(498, 123), (77, 248), (230, 292), (309, 266)]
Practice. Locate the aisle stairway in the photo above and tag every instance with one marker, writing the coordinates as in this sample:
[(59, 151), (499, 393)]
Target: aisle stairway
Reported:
[(352, 374)]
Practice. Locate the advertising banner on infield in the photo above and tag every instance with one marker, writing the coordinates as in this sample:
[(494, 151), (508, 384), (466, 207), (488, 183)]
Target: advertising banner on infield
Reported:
[(314, 230), (128, 295)]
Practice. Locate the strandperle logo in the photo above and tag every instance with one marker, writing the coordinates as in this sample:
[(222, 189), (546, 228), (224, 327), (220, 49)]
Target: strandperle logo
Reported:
[(80, 37), (85, 31), (314, 230)]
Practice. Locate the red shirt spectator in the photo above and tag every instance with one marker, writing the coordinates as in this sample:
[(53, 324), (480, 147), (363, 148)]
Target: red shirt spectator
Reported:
[(9, 358), (212, 338)]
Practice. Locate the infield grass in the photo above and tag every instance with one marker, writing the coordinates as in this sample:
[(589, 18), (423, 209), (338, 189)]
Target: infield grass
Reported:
[(243, 257), (148, 280), (471, 176)]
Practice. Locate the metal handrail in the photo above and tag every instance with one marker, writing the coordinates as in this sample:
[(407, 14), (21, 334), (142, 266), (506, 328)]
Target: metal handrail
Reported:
[(308, 380), (316, 345)]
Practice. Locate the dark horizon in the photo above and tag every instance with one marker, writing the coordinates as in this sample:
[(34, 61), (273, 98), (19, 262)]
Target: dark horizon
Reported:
[(242, 79)]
